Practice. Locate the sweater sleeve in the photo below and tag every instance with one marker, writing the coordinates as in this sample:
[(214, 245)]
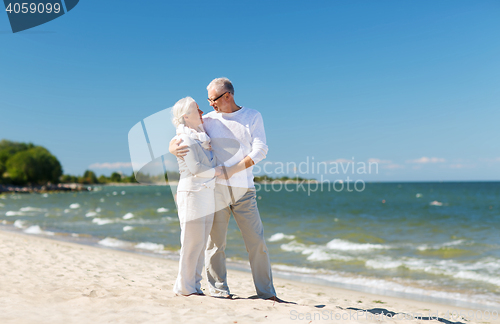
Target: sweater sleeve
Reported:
[(259, 147), (192, 160)]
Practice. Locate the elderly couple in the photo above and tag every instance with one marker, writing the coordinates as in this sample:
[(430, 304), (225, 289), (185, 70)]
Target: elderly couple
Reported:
[(216, 154)]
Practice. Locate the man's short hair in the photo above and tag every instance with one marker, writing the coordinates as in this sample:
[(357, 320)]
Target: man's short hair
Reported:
[(221, 85)]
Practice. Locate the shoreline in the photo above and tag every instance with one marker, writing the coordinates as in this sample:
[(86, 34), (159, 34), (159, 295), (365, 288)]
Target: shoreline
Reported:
[(78, 283), (242, 270)]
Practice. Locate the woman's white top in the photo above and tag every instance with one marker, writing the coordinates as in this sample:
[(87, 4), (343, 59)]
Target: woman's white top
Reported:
[(197, 169)]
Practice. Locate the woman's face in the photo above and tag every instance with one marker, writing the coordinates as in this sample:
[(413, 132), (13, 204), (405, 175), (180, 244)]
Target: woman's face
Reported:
[(193, 117)]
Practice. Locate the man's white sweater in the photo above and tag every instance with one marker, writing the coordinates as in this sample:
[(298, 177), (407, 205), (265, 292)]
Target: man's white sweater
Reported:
[(234, 136)]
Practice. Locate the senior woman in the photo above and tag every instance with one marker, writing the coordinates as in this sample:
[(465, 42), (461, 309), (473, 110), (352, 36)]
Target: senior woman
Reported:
[(195, 195)]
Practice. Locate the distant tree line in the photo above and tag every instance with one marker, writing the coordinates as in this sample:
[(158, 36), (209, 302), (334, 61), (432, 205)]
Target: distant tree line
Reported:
[(89, 177), (266, 178), (28, 164)]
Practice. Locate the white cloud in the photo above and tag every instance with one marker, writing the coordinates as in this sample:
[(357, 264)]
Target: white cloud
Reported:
[(113, 165), (340, 161), (379, 161), (425, 160)]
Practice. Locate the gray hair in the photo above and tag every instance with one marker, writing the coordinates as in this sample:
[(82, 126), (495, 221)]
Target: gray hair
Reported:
[(180, 109), (221, 85)]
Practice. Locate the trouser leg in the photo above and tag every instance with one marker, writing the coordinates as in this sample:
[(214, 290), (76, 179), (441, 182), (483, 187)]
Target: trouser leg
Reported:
[(247, 217), (192, 208), (215, 255)]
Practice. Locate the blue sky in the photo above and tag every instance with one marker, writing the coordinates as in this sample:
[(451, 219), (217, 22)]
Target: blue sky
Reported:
[(413, 85)]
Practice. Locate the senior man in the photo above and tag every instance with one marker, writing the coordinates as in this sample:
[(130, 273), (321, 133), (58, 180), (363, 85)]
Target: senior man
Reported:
[(227, 125)]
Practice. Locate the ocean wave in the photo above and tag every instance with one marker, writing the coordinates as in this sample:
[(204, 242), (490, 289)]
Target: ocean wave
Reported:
[(162, 210), (343, 245), (150, 246), (91, 214), (383, 263), (32, 209), (487, 270), (128, 216), (292, 269), (402, 286), (19, 223), (425, 247), (11, 213), (102, 221), (280, 236), (112, 242), (314, 252), (74, 206), (35, 229), (127, 228)]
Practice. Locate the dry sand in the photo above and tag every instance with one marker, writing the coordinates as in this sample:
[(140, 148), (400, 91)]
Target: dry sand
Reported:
[(49, 281)]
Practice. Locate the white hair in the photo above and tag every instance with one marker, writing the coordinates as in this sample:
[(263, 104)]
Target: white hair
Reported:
[(180, 109), (221, 85)]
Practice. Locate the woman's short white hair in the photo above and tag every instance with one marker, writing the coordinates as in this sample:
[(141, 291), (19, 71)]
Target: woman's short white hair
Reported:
[(221, 85), (180, 109)]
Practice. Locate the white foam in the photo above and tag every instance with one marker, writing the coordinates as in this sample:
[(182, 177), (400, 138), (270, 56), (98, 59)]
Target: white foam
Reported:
[(101, 200), (439, 246), (403, 286), (102, 221), (128, 216), (115, 193), (162, 210), (19, 223), (436, 203), (283, 267), (2, 205), (74, 206), (91, 214), (150, 246), (112, 242), (127, 228), (419, 195), (11, 213), (67, 211), (339, 244), (98, 210), (315, 252), (32, 209), (35, 229), (470, 275), (45, 195), (280, 236), (383, 263), (123, 192)]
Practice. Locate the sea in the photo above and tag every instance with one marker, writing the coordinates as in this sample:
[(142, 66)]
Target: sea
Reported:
[(426, 241)]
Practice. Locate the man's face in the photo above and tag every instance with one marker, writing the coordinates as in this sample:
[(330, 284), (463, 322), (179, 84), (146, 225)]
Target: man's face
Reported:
[(219, 105)]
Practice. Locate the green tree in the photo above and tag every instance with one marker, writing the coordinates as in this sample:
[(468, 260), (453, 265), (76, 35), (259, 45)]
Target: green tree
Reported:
[(69, 179), (33, 166), (9, 149), (89, 177), (116, 177), (103, 179)]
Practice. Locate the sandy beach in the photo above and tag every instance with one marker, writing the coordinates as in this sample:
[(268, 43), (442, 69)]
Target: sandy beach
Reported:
[(50, 281)]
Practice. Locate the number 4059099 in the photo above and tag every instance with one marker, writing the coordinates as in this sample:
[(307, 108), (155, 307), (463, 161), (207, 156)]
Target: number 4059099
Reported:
[(33, 8)]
